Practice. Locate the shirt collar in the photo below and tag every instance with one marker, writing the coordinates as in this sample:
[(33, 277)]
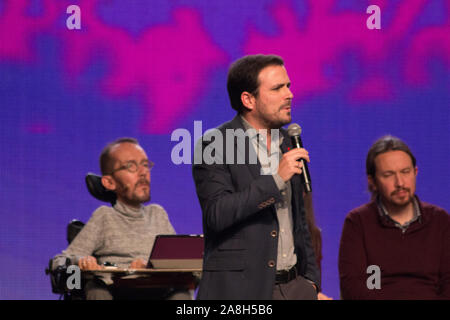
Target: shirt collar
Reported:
[(254, 134), (384, 213)]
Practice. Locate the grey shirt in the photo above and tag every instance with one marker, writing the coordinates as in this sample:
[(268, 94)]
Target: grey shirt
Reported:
[(286, 257), (118, 234)]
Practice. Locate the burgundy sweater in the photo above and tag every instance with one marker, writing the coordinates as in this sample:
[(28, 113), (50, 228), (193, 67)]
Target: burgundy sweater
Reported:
[(414, 264)]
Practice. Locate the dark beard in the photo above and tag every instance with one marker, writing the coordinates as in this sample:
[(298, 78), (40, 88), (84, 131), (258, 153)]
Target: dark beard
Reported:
[(134, 200), (276, 125), (280, 123), (397, 206)]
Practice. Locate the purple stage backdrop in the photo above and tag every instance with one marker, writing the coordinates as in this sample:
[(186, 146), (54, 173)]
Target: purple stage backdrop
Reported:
[(146, 68)]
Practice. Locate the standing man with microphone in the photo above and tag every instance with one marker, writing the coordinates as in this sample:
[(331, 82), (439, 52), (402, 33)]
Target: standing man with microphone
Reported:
[(257, 243)]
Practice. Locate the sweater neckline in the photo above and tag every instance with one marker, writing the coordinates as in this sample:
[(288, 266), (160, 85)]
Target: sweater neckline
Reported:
[(129, 211)]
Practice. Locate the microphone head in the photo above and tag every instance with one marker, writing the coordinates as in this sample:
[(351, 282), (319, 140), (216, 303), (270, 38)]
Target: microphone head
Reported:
[(294, 130)]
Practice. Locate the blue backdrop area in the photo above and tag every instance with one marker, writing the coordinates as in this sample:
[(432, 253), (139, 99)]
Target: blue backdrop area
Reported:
[(146, 68)]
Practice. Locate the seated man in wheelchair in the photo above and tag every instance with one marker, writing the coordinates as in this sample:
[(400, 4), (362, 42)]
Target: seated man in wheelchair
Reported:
[(123, 234)]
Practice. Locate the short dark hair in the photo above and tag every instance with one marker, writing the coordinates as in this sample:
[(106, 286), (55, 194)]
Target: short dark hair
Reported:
[(243, 76), (106, 161), (382, 145)]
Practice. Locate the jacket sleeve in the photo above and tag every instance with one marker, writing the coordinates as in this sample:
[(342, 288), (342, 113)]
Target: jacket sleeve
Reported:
[(312, 269), (222, 205)]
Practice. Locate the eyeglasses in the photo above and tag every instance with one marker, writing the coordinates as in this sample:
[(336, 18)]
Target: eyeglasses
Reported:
[(133, 166)]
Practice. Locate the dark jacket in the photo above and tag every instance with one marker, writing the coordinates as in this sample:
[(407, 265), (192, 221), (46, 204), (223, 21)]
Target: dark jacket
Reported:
[(241, 227)]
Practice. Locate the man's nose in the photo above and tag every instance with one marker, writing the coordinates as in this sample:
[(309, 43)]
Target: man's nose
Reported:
[(142, 170), (399, 181), (289, 93)]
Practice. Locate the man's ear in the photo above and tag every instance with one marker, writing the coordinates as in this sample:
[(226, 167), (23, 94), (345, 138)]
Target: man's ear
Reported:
[(416, 171), (109, 183), (248, 100)]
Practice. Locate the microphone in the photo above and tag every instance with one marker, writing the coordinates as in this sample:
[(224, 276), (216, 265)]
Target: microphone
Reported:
[(294, 131)]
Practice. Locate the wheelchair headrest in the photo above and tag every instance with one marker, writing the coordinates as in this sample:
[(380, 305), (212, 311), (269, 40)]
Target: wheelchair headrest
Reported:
[(97, 190)]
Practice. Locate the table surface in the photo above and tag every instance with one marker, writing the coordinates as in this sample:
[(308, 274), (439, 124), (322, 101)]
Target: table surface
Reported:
[(148, 278), (140, 271)]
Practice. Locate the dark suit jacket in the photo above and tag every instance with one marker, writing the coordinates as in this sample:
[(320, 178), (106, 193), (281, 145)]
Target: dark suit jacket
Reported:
[(241, 227)]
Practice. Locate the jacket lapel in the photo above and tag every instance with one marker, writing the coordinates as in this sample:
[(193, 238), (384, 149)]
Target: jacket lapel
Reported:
[(255, 169)]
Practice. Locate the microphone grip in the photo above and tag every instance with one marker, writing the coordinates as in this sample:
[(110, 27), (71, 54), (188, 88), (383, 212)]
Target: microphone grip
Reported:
[(297, 143)]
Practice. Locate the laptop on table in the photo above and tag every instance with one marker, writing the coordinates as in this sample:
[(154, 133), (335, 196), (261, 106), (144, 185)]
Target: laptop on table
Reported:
[(179, 251)]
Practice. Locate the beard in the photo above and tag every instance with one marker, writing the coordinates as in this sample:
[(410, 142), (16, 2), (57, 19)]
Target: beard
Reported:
[(134, 197), (277, 120), (399, 203)]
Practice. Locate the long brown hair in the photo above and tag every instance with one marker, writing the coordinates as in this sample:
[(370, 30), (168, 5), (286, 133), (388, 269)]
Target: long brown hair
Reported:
[(314, 230)]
